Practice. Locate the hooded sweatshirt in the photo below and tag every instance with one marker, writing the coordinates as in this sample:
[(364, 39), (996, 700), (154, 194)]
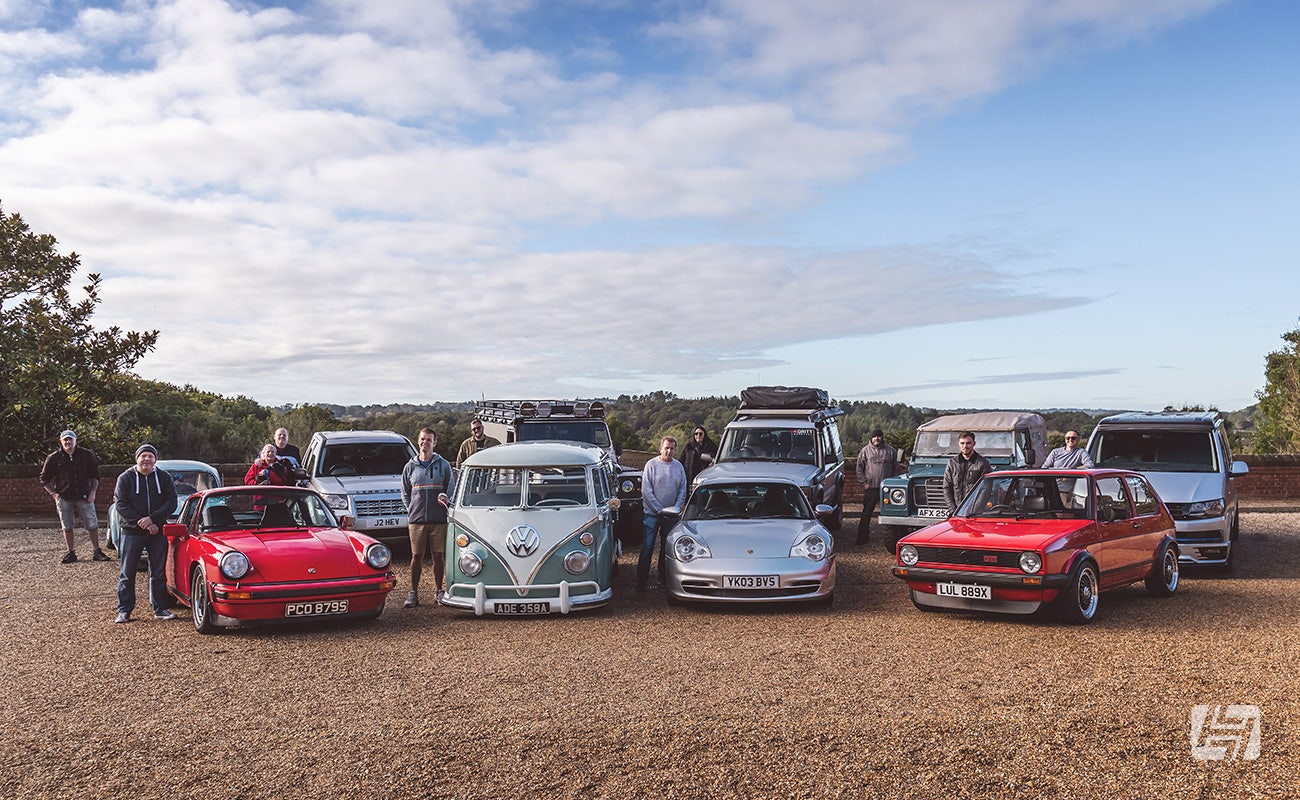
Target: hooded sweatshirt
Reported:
[(137, 495), (422, 482)]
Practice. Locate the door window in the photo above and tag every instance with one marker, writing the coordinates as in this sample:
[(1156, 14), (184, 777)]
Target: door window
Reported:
[(1112, 500)]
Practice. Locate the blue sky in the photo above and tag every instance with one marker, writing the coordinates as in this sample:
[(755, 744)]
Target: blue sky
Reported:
[(993, 203)]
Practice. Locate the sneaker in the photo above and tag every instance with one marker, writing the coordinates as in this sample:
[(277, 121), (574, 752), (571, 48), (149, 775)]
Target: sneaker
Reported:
[(100, 556), (122, 616), (70, 558), (109, 544), (440, 596), (164, 614), (411, 600)]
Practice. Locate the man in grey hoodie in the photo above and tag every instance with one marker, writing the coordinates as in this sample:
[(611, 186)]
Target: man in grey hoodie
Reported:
[(145, 497), (427, 483)]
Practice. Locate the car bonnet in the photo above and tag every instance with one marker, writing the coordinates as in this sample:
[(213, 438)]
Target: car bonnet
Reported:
[(296, 554), (751, 538)]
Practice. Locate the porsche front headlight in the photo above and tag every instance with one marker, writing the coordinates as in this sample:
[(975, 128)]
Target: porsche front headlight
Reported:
[(378, 556), (688, 548), (814, 547), (234, 565)]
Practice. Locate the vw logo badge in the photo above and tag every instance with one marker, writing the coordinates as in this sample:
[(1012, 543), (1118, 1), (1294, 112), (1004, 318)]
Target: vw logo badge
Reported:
[(311, 570), (522, 540)]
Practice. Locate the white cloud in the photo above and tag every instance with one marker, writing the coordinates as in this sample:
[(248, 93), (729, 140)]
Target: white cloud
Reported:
[(337, 203)]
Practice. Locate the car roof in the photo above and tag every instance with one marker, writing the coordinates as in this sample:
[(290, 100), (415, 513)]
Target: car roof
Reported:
[(1197, 419), (538, 453), (772, 423), (184, 465), (361, 436), (984, 421), (731, 479)]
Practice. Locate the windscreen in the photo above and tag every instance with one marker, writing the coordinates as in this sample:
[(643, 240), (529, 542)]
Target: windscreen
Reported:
[(264, 509), (933, 444), (747, 501), (1156, 451), (769, 444), (365, 458), (586, 431), (1028, 496)]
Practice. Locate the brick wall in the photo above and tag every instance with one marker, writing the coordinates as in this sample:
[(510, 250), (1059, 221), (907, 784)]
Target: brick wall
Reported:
[(21, 491)]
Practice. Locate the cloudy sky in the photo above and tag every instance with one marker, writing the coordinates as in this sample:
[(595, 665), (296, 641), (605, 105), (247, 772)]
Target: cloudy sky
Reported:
[(948, 203)]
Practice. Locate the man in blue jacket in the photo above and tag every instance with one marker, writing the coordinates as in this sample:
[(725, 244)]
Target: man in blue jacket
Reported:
[(145, 497), (427, 483)]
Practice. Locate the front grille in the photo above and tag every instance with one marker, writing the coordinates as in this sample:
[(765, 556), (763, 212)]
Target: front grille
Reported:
[(928, 493), (971, 558), (806, 587), (380, 508)]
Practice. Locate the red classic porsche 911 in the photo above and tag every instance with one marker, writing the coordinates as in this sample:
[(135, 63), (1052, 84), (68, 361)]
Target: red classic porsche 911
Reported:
[(1028, 539), (249, 554)]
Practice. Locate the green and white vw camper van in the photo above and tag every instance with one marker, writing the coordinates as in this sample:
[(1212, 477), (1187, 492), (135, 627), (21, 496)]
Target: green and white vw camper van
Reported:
[(531, 530)]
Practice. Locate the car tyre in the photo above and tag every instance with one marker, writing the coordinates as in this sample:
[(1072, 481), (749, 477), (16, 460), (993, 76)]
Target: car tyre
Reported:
[(837, 519), (1227, 565), (201, 603), (893, 533), (1163, 580), (1235, 530), (1079, 600), (824, 602)]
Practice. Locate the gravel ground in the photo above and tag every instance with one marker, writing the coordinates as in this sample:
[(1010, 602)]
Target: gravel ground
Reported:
[(868, 699)]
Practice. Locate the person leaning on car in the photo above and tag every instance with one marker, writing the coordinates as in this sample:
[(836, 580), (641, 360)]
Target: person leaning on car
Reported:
[(1072, 456), (876, 462), (144, 497), (663, 485), (71, 476), (964, 470), (427, 483), (268, 468), (477, 441), (699, 455)]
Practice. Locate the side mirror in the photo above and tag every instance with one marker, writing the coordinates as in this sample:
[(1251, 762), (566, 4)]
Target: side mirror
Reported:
[(1239, 468), (618, 449), (346, 522), (823, 510), (672, 513), (1031, 458), (175, 530)]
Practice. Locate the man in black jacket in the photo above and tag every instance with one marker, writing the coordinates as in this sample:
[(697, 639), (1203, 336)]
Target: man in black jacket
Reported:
[(71, 476), (145, 497)]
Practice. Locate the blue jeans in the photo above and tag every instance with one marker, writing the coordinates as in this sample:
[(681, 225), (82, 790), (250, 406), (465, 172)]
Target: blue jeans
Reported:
[(651, 531), (134, 543)]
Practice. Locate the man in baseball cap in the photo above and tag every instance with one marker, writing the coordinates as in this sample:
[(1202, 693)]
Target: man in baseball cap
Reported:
[(71, 476)]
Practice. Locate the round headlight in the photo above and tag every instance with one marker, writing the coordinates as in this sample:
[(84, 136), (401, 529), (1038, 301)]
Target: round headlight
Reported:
[(469, 563), (1030, 562), (908, 556), (575, 563), (687, 548), (378, 556), (897, 496), (626, 486), (586, 538), (234, 565)]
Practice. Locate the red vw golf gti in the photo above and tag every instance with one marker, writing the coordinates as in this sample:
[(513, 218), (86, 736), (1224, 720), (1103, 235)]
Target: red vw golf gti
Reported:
[(1031, 539), (250, 554)]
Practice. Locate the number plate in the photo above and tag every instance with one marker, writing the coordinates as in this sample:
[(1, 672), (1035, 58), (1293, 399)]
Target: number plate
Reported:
[(380, 522), (966, 591), (936, 513), (322, 609), (751, 582), (521, 608)]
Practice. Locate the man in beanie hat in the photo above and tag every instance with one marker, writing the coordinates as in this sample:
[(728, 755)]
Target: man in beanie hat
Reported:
[(145, 497), (71, 476), (876, 462)]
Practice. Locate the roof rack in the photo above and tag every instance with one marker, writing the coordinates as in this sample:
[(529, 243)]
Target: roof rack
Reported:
[(507, 411)]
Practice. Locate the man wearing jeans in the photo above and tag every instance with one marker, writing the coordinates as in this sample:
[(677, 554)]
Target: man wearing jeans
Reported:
[(663, 485), (145, 497), (71, 476)]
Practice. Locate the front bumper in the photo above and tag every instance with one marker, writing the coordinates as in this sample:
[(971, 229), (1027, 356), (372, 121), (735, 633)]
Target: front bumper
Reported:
[(702, 580), (1203, 541), (235, 603), (474, 596), (1012, 593)]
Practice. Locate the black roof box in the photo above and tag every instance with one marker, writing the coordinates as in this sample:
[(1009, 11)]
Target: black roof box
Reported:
[(783, 397)]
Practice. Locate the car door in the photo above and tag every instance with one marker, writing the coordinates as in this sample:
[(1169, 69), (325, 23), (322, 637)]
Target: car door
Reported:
[(178, 547), (1115, 525), (1148, 527)]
